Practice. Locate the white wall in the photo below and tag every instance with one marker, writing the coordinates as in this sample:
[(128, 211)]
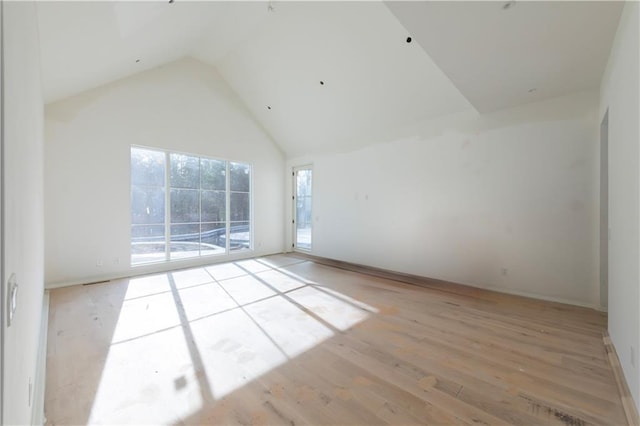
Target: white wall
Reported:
[(462, 197), (620, 94), (24, 235), (183, 106)]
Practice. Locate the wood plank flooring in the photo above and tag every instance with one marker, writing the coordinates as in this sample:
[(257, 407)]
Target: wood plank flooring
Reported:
[(284, 340)]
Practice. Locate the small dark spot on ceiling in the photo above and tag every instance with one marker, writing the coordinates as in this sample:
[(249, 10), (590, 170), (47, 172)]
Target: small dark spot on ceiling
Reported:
[(321, 83), (137, 61), (268, 107), (171, 1), (408, 39), (533, 90), (180, 383), (509, 4)]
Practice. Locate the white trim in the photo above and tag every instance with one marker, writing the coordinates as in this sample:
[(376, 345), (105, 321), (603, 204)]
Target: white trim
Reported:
[(228, 253), (161, 267), (227, 208), (294, 231), (37, 414), (419, 279), (2, 214), (540, 297), (167, 209)]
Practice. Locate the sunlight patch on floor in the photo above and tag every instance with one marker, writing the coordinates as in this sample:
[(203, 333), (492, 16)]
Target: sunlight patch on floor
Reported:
[(336, 312), (146, 315), (153, 375), (234, 351), (281, 282), (205, 300), (290, 328), (187, 338)]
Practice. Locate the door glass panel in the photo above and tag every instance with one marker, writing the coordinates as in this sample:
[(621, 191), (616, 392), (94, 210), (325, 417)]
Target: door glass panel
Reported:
[(303, 209)]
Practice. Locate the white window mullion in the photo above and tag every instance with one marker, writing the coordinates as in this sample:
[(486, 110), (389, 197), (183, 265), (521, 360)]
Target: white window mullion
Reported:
[(228, 206), (167, 207), (251, 227), (145, 247), (199, 206)]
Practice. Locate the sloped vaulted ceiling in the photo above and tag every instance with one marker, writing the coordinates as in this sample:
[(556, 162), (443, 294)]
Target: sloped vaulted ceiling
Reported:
[(85, 44), (373, 79), (503, 54), (333, 76)]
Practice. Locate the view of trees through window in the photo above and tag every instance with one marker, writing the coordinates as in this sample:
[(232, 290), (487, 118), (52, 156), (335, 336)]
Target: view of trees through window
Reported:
[(185, 206)]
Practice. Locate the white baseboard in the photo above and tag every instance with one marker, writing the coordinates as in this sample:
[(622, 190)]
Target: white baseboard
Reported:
[(416, 279), (542, 297), (156, 268)]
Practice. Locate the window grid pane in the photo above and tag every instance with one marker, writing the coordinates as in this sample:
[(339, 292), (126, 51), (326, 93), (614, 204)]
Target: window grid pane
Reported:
[(239, 236), (185, 241), (199, 222), (303, 209), (240, 206), (185, 171), (147, 206)]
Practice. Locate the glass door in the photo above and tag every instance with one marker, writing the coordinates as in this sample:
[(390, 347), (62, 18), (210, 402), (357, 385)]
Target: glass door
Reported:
[(302, 191)]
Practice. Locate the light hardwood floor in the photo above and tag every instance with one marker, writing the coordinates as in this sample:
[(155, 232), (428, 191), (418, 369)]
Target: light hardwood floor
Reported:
[(283, 340)]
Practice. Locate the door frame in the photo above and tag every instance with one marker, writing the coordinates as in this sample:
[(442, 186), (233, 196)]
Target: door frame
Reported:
[(294, 191), (604, 210), (3, 289)]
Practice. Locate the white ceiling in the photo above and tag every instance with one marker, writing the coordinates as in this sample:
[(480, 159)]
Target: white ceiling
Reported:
[(85, 44), (496, 55), (463, 54), (374, 80)]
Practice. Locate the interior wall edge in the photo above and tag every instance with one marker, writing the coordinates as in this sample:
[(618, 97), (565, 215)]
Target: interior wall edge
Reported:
[(23, 112), (2, 208), (37, 416), (620, 96)]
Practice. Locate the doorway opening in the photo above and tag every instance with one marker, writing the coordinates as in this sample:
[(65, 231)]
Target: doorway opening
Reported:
[(302, 208)]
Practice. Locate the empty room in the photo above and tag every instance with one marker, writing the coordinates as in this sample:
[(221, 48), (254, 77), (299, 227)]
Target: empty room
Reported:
[(324, 213)]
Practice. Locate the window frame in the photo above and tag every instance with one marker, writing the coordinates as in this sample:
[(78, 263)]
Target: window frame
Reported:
[(294, 242), (167, 208)]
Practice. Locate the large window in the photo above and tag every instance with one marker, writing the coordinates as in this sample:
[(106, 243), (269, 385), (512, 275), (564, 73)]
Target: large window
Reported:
[(185, 206)]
